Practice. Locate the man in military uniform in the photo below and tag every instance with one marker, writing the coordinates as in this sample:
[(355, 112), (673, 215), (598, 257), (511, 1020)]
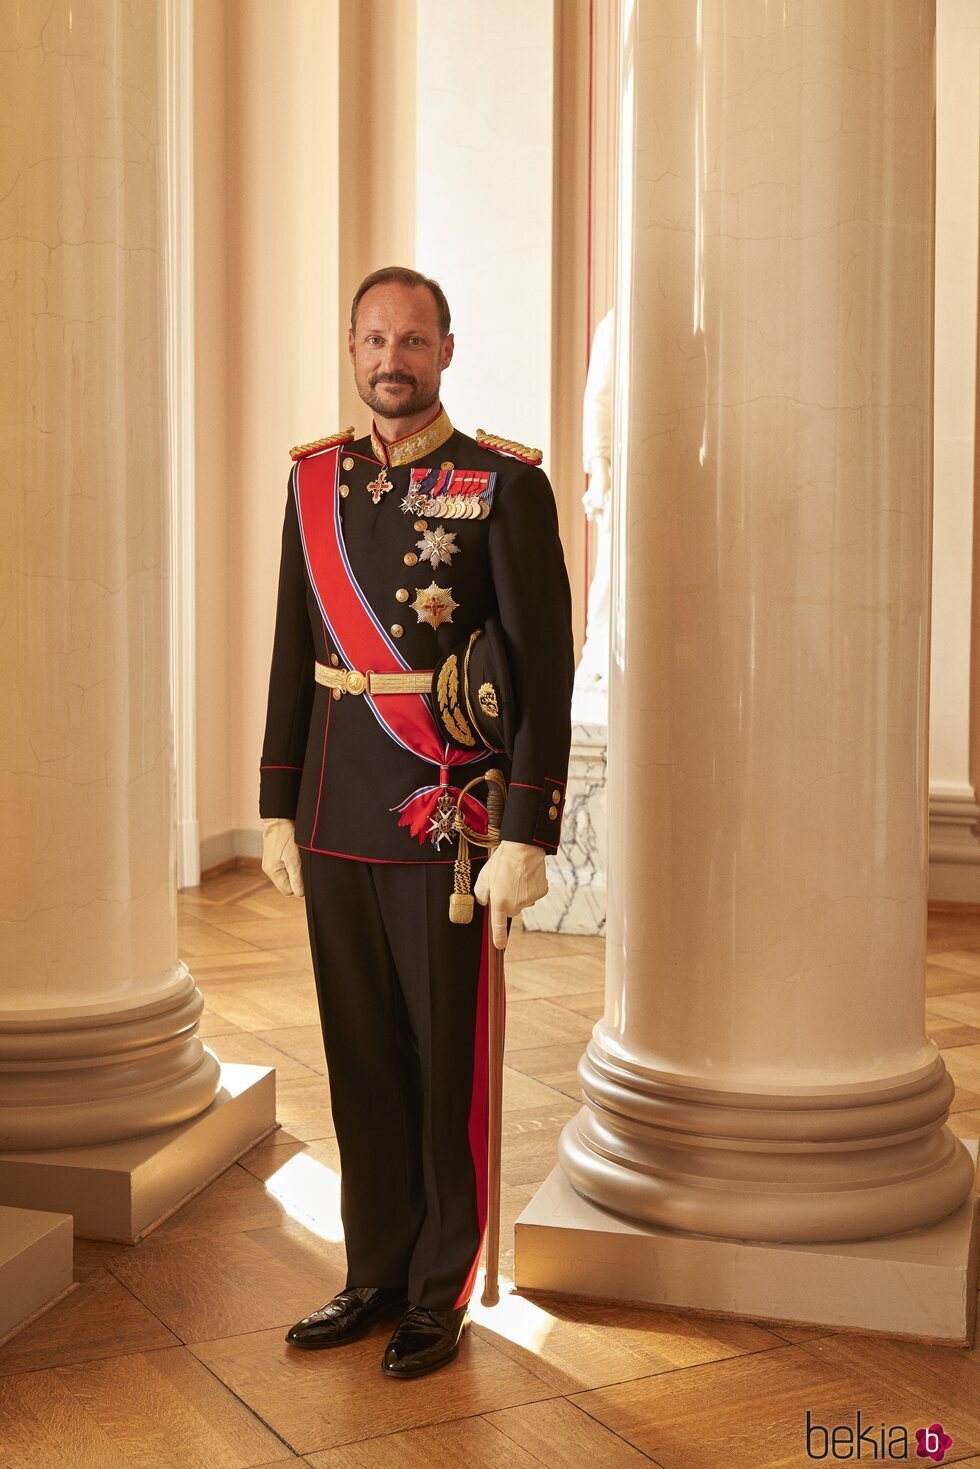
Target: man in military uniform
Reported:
[(423, 636)]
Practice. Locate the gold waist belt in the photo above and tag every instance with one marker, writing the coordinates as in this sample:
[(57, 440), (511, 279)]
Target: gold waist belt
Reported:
[(352, 681)]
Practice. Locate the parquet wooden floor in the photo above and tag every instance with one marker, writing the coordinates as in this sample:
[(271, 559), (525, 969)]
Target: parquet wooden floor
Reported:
[(171, 1353)]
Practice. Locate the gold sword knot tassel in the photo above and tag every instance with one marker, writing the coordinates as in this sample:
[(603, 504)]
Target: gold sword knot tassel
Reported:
[(461, 899)]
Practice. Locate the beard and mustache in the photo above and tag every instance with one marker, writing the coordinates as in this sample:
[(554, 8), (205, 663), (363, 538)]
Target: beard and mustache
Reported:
[(402, 405)]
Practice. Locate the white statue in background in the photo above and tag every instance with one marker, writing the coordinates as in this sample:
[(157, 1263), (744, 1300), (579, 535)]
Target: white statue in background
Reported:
[(591, 690)]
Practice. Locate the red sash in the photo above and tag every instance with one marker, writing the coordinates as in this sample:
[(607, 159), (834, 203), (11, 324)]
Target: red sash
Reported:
[(365, 644)]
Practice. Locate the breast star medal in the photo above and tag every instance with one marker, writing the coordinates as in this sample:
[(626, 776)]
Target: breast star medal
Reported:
[(437, 546), (378, 486), (434, 604)]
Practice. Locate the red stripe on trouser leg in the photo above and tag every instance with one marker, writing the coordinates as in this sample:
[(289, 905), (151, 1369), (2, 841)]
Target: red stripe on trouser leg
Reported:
[(479, 1097)]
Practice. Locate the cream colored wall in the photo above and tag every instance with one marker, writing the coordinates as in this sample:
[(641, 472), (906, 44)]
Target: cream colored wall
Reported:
[(570, 327), (484, 199), (502, 194), (376, 162), (267, 227), (954, 766), (304, 182), (283, 261), (586, 51), (957, 163)]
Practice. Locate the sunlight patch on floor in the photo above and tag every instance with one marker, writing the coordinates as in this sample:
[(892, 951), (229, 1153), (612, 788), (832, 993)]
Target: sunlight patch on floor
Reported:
[(519, 1320), (310, 1193)]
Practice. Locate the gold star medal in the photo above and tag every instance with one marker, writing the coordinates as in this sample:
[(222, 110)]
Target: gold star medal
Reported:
[(434, 604), (378, 486)]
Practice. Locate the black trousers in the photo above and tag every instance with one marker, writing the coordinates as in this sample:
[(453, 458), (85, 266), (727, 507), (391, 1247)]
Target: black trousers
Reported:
[(403, 1007)]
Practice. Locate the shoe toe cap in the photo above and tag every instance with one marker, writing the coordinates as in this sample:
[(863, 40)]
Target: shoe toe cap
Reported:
[(311, 1328), (402, 1362)]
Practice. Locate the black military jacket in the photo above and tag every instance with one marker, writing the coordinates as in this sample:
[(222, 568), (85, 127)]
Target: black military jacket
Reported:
[(327, 762)]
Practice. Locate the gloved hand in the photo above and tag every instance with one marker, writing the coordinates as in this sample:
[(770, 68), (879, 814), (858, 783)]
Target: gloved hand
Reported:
[(280, 855), (513, 877)]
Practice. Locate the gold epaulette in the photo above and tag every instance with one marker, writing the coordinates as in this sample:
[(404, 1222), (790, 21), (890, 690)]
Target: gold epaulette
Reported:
[(327, 443), (509, 446)]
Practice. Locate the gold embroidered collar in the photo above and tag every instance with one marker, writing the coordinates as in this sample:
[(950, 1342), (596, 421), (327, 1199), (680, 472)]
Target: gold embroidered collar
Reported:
[(412, 446)]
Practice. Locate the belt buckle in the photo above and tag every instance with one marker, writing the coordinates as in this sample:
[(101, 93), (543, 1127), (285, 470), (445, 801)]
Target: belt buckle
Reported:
[(355, 682)]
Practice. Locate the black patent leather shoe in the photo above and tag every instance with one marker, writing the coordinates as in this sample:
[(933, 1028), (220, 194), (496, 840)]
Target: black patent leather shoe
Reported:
[(424, 1340), (350, 1315)]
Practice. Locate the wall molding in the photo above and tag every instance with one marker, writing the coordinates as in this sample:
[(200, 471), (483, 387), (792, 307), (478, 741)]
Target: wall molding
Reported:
[(954, 844), (227, 848)]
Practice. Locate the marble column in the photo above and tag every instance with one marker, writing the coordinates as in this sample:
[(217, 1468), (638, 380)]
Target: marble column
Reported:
[(762, 1071), (98, 1017)]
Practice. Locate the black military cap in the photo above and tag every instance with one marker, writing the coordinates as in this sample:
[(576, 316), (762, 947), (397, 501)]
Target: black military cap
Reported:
[(472, 693)]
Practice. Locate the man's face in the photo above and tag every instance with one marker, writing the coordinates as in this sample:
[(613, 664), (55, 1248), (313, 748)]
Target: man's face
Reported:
[(397, 352)]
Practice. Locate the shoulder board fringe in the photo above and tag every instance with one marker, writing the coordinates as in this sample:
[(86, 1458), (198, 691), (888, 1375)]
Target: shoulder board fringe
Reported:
[(303, 449), (509, 446)]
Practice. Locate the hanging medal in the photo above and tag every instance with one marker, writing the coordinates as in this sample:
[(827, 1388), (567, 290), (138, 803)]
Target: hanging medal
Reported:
[(441, 823), (378, 486)]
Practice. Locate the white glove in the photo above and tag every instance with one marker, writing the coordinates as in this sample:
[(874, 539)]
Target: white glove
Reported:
[(513, 877), (280, 855)]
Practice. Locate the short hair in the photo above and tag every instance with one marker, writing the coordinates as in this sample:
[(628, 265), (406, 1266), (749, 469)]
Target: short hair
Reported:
[(402, 276)]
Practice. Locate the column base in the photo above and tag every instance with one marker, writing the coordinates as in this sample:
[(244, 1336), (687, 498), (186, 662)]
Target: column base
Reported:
[(35, 1265), (921, 1285), (122, 1190)]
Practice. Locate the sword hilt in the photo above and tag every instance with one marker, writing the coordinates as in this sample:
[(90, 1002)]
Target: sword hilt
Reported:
[(495, 802), (461, 898)]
